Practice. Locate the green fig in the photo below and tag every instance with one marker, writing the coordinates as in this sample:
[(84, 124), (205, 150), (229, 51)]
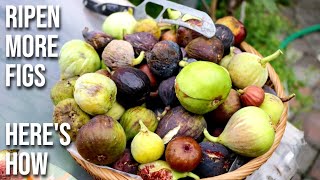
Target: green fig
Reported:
[(116, 111), (249, 69), (161, 170), (226, 59), (146, 146), (62, 90), (202, 86), (130, 118), (95, 93), (248, 132)]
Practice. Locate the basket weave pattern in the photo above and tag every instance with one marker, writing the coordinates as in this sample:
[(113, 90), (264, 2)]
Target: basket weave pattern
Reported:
[(243, 171)]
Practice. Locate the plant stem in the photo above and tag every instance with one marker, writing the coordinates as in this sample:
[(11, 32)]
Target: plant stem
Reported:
[(271, 57), (240, 91), (287, 98), (183, 63), (213, 9), (139, 59), (192, 175), (209, 137), (143, 128)]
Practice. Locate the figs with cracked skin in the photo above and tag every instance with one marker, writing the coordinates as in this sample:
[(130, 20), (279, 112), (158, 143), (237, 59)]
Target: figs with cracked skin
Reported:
[(141, 41), (205, 49)]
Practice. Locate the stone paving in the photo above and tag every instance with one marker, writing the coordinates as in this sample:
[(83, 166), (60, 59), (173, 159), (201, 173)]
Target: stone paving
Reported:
[(305, 59)]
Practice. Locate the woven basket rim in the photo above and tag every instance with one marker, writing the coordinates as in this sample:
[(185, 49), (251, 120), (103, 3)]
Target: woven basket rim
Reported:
[(240, 173)]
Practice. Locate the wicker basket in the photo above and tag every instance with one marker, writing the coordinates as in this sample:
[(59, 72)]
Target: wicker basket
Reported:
[(243, 171)]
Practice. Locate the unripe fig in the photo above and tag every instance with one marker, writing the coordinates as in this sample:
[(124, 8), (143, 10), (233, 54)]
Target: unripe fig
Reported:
[(236, 26), (146, 146), (95, 93), (273, 106), (62, 90), (226, 59), (148, 25), (248, 132), (205, 49), (116, 111), (141, 41), (251, 96), (249, 69), (119, 53), (98, 40), (211, 86)]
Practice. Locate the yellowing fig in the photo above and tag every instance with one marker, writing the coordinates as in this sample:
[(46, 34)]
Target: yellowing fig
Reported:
[(249, 69), (202, 86), (248, 132), (146, 146), (148, 25), (273, 106)]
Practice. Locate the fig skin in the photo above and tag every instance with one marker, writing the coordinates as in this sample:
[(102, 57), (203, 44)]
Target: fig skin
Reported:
[(95, 93), (101, 141), (98, 40), (273, 106), (148, 25), (169, 36), (191, 125), (68, 111), (185, 35), (223, 113), (215, 160), (251, 96), (226, 59), (141, 41), (130, 121), (236, 26), (225, 35), (163, 59), (153, 80), (62, 90), (116, 111), (183, 154), (133, 86), (248, 132), (166, 91), (126, 163), (205, 49), (119, 53)]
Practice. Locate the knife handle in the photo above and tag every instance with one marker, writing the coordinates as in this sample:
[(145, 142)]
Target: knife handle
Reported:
[(104, 8)]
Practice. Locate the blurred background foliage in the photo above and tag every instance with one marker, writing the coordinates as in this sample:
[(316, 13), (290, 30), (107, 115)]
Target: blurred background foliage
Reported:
[(266, 28)]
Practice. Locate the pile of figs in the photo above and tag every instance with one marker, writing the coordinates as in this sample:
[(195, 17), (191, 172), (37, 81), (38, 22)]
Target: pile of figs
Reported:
[(165, 102)]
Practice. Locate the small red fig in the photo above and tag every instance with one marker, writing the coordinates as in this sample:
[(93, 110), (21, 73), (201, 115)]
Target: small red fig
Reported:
[(251, 96)]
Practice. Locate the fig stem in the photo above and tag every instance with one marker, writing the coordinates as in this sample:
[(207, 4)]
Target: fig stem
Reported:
[(139, 59), (130, 11), (240, 91), (287, 98), (271, 57), (183, 63), (209, 137), (192, 175), (166, 109), (143, 128)]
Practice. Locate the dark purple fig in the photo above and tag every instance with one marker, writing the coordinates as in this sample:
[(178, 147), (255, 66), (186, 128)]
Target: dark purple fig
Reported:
[(215, 160), (222, 114), (98, 40), (163, 59), (166, 91), (225, 35), (126, 163), (268, 89), (185, 35), (205, 49), (179, 122), (141, 41), (133, 86)]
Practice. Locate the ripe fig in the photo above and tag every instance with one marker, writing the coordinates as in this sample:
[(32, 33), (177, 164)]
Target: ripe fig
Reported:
[(161, 170), (153, 80), (133, 86), (251, 96), (95, 93), (77, 58), (116, 111), (183, 154), (119, 53), (185, 35), (166, 91), (205, 49), (223, 113), (273, 106), (225, 35), (169, 35), (163, 59), (62, 90), (68, 111), (236, 26), (215, 160), (188, 124), (148, 25), (126, 163), (101, 141), (249, 69), (130, 120), (141, 41), (248, 132), (211, 86), (98, 40), (226, 59), (146, 146)]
